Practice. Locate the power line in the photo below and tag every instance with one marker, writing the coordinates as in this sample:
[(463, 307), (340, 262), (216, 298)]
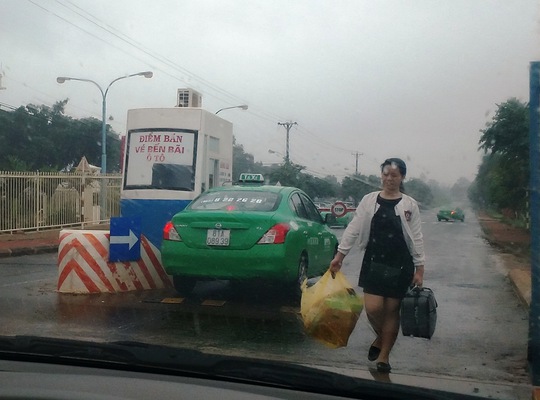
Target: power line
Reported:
[(95, 21), (8, 106), (255, 111), (306, 132), (139, 46), (118, 34)]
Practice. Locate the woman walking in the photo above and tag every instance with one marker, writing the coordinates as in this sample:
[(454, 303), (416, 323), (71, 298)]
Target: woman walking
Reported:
[(387, 227)]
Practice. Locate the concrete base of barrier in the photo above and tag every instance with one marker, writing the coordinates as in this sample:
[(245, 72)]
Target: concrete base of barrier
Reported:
[(83, 265)]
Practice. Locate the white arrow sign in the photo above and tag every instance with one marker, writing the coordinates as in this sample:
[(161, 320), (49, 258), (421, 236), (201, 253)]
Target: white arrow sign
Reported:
[(131, 239)]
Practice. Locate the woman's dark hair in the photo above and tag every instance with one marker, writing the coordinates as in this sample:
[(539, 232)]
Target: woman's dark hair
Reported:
[(396, 163)]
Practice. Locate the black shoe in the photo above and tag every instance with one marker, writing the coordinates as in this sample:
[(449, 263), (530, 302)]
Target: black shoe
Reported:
[(383, 367), (373, 353)]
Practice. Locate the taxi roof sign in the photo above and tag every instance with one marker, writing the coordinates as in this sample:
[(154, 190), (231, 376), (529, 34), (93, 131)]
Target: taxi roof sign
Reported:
[(251, 178)]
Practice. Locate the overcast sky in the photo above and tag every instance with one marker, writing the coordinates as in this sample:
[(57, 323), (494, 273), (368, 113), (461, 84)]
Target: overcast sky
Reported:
[(411, 79)]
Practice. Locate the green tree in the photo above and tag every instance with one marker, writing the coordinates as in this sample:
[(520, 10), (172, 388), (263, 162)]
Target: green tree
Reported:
[(460, 188), (43, 138), (507, 133), (332, 190), (316, 187), (288, 174), (420, 191), (357, 186), (244, 162), (441, 195), (503, 176)]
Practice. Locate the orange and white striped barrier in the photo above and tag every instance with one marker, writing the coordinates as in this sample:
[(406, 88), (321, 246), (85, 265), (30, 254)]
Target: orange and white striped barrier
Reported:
[(83, 265)]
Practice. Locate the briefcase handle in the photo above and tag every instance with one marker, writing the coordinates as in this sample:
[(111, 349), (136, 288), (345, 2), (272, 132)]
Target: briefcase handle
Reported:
[(415, 288)]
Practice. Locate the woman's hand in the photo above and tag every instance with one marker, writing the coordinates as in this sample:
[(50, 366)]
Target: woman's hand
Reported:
[(337, 261), (418, 278)]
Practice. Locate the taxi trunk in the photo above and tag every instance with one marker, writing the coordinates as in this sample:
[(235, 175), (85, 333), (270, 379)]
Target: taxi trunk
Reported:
[(199, 230), (214, 246)]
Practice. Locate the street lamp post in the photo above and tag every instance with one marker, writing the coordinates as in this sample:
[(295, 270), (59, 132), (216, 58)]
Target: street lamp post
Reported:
[(242, 106), (62, 79), (270, 151)]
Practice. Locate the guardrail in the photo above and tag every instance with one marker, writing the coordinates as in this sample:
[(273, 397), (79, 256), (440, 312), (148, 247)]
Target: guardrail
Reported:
[(43, 200)]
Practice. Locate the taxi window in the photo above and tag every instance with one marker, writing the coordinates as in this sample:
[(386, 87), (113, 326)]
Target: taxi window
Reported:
[(312, 212), (297, 206), (237, 201)]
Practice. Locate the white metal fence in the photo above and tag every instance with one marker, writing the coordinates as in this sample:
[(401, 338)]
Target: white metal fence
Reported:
[(42, 200)]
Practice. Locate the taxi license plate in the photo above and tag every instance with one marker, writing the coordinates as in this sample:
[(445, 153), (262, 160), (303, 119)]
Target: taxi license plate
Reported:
[(218, 237)]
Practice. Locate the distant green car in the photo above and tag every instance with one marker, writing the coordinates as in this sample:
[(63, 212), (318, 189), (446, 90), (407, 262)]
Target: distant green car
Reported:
[(247, 232), (451, 214), (341, 221), (338, 221)]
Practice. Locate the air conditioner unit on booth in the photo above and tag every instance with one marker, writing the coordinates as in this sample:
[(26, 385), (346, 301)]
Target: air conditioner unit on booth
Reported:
[(189, 98)]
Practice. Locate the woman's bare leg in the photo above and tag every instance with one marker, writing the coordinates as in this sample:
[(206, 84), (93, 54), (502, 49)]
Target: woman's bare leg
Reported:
[(374, 306), (383, 315)]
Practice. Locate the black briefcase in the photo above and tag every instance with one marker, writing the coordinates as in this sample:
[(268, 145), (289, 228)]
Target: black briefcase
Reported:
[(419, 313)]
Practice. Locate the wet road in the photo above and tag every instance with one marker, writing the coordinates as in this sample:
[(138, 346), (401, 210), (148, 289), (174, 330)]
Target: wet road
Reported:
[(481, 331)]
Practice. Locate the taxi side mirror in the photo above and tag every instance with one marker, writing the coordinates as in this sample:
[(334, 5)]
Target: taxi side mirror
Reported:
[(329, 219)]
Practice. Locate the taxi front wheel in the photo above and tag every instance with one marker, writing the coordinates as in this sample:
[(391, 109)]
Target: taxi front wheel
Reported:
[(184, 285)]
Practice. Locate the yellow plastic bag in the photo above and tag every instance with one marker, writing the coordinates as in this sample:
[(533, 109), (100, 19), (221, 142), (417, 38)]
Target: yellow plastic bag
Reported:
[(330, 309)]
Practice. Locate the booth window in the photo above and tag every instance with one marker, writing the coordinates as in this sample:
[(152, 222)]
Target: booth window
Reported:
[(213, 144), (173, 177)]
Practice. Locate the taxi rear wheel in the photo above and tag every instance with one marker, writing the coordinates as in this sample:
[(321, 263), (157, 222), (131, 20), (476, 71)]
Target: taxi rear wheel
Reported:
[(302, 275), (183, 284)]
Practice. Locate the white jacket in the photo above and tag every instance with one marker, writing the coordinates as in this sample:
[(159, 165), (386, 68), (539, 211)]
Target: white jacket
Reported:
[(359, 228)]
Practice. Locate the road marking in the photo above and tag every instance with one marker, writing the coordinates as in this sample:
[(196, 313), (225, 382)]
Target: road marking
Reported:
[(172, 300), (215, 303)]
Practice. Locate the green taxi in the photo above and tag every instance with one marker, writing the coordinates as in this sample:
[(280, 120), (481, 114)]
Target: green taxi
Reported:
[(248, 232), (450, 214)]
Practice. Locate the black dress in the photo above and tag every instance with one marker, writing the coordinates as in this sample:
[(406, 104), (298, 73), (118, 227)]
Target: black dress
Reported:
[(386, 246)]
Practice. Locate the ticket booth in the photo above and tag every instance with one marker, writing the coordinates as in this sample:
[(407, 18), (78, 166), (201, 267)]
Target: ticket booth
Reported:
[(171, 155)]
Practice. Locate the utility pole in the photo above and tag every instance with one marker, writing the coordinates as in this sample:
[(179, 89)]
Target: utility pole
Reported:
[(357, 154), (288, 126)]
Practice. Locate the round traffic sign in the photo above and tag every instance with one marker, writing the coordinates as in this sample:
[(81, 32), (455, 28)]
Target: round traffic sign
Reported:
[(339, 209)]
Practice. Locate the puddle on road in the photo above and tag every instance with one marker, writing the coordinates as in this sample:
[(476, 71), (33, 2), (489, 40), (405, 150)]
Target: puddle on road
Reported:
[(207, 318)]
